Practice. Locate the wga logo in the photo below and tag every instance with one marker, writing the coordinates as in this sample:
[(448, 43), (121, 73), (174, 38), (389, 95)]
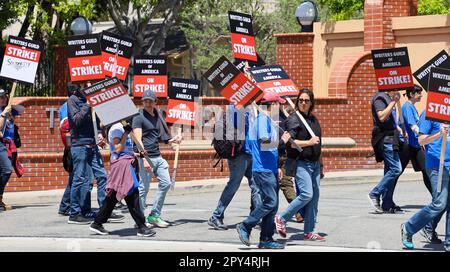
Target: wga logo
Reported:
[(18, 65)]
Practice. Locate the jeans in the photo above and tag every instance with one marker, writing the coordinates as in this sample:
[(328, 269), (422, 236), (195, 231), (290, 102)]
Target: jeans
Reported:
[(392, 170), (417, 158), (64, 205), (307, 180), (161, 171), (239, 167), (267, 183), (5, 168), (86, 160), (434, 211)]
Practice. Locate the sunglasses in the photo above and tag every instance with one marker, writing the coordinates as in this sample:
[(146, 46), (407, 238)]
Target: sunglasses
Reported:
[(301, 101)]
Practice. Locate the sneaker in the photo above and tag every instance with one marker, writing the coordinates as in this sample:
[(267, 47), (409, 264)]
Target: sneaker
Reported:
[(406, 238), (243, 234), (157, 221), (270, 245), (148, 225), (79, 220), (66, 213), (314, 237), (145, 232), (299, 218), (91, 215), (116, 217), (375, 202), (394, 210), (281, 227), (447, 248), (99, 229), (398, 208), (431, 237), (217, 224)]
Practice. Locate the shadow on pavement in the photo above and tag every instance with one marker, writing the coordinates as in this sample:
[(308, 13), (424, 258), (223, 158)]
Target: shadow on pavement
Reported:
[(185, 221)]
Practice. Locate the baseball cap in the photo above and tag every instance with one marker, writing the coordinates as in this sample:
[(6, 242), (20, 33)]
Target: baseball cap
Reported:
[(271, 97), (2, 92), (149, 94)]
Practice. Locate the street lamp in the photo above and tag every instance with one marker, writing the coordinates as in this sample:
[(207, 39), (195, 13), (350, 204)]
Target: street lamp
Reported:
[(81, 26), (306, 15)]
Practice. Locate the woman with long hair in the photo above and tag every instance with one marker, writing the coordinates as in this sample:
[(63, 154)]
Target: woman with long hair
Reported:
[(309, 169)]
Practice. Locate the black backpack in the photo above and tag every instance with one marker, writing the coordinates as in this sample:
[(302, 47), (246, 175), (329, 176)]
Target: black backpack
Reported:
[(225, 141)]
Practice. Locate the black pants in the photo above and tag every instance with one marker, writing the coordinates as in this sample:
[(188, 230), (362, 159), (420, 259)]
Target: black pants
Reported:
[(133, 206), (417, 158)]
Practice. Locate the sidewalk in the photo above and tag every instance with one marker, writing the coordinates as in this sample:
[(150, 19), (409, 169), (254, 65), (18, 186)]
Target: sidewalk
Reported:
[(215, 185)]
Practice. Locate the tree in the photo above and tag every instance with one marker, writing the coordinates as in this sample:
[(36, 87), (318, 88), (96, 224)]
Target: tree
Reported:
[(132, 17), (336, 10)]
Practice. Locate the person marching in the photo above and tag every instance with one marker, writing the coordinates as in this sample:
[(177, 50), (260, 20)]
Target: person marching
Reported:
[(7, 145), (288, 166), (385, 142), (410, 150), (430, 135), (309, 167), (239, 166), (86, 159), (149, 128), (263, 140), (122, 182)]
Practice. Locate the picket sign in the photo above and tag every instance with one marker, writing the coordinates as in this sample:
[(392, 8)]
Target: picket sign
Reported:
[(437, 100), (175, 164)]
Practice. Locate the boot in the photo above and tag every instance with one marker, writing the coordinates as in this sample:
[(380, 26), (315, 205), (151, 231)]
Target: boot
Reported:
[(3, 206)]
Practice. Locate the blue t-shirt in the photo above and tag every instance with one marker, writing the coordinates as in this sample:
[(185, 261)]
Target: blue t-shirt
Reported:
[(433, 149), (63, 112), (411, 118), (265, 155), (116, 131), (8, 130)]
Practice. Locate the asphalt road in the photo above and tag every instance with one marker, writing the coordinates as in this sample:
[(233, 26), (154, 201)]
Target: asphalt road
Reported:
[(345, 218)]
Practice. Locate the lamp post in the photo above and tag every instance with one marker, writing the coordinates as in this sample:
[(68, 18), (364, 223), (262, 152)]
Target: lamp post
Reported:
[(306, 15), (81, 26)]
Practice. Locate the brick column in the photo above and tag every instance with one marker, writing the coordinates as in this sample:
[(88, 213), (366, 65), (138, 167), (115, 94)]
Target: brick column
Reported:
[(295, 54), (378, 21)]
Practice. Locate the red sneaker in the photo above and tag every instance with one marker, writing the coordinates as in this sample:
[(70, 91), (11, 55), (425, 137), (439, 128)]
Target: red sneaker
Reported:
[(314, 237), (281, 227)]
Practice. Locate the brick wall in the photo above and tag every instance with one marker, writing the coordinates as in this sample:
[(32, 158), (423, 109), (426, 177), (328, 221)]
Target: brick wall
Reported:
[(293, 49)]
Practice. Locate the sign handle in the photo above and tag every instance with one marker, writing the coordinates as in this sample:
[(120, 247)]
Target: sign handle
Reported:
[(175, 164), (441, 163), (301, 117), (257, 108), (94, 120), (138, 145), (400, 115)]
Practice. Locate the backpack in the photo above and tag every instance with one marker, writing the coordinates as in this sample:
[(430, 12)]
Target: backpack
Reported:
[(225, 141)]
